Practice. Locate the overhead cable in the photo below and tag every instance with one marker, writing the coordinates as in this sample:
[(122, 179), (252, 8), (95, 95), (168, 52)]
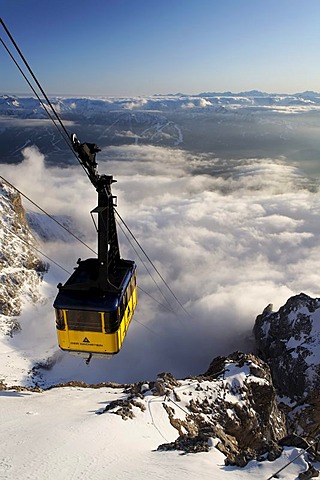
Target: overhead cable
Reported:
[(79, 239), (33, 247), (29, 83), (70, 146), (64, 133), (32, 75), (48, 215), (145, 266), (153, 265)]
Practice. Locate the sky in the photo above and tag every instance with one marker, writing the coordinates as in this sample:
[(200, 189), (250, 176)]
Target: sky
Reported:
[(145, 47)]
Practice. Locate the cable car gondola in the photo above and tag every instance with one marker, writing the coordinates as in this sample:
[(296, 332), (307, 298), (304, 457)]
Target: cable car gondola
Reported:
[(95, 306)]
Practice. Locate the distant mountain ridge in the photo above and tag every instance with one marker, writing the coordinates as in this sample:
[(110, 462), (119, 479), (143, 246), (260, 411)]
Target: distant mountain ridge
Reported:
[(28, 107), (229, 125)]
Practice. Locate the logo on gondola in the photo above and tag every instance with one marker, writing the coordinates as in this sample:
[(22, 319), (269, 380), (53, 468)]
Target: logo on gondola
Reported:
[(85, 340)]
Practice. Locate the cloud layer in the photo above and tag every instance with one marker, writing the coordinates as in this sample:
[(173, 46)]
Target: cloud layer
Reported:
[(229, 238)]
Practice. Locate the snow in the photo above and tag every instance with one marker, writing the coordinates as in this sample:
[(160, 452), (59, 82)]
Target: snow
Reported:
[(58, 434)]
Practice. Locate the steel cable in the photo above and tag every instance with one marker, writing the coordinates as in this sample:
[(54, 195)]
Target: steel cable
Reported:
[(70, 145)]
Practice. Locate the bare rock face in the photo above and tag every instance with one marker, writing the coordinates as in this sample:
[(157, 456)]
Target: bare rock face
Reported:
[(303, 417), (231, 407), (288, 340), (21, 270), (235, 404)]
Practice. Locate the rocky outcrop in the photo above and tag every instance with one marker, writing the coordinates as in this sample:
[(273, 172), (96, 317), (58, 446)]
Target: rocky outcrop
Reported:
[(245, 406), (21, 270), (255, 420), (303, 417), (288, 340), (232, 406), (234, 403)]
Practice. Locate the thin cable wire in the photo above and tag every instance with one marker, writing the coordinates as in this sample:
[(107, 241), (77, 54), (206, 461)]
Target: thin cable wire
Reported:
[(75, 236), (48, 214), (30, 85), (169, 307), (147, 328), (65, 137), (153, 265), (67, 134), (33, 247), (155, 300), (32, 75)]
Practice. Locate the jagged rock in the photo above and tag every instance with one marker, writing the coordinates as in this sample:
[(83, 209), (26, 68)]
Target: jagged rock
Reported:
[(312, 472), (187, 444), (260, 416), (274, 451), (235, 402), (164, 384), (293, 440), (122, 408), (288, 341), (21, 270), (304, 417)]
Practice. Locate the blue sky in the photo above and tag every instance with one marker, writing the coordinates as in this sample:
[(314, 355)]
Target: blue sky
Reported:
[(142, 47)]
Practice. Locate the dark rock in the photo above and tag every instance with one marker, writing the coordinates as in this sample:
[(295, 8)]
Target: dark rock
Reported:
[(20, 268), (312, 472), (287, 340), (293, 440), (122, 407), (242, 415), (274, 452), (187, 444)]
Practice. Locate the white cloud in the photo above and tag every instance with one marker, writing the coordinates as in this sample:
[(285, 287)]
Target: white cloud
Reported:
[(228, 243), (188, 105), (137, 103), (204, 103), (194, 103)]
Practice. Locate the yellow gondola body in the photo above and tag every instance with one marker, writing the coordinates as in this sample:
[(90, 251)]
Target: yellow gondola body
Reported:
[(95, 331)]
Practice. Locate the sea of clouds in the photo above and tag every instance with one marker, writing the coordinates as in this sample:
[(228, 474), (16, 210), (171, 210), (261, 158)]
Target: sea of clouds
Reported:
[(229, 237)]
